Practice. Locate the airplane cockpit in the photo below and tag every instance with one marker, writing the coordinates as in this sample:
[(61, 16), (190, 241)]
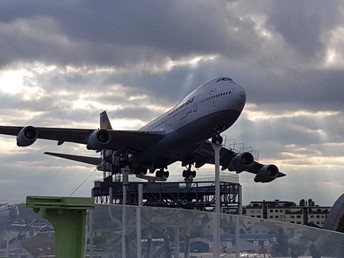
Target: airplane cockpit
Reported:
[(225, 79)]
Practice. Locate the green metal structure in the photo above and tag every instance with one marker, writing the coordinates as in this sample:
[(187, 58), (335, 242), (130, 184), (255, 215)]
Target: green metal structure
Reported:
[(68, 216)]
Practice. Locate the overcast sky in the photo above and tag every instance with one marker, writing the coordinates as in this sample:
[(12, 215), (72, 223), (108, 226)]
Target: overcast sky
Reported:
[(63, 62)]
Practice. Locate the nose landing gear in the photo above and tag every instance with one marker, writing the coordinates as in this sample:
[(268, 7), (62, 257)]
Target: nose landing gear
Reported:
[(217, 138)]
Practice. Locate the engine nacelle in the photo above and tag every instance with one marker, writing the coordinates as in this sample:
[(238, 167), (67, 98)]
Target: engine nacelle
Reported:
[(27, 136), (242, 162), (99, 139), (267, 174)]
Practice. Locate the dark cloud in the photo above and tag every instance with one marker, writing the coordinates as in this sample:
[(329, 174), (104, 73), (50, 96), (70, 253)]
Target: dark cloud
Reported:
[(314, 89), (305, 26), (121, 33)]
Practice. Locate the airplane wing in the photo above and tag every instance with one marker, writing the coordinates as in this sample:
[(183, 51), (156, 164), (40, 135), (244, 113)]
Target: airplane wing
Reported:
[(233, 161), (84, 159), (94, 139)]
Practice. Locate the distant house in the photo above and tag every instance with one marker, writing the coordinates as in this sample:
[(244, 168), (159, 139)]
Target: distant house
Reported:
[(42, 245)]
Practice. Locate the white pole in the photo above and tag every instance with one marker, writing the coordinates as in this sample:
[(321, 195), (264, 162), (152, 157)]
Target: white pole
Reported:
[(138, 221), (237, 237), (237, 223), (240, 200), (90, 233), (216, 231), (125, 173)]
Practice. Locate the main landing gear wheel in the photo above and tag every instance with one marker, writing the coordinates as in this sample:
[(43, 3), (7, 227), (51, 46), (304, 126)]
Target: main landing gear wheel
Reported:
[(162, 173), (188, 174)]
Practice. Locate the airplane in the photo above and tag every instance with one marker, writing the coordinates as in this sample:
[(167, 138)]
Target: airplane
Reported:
[(184, 133)]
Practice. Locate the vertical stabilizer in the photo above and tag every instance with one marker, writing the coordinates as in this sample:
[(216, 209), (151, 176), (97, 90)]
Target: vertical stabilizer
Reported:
[(106, 155), (105, 121)]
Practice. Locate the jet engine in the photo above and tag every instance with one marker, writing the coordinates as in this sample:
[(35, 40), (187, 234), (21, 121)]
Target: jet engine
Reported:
[(267, 174), (98, 139), (26, 136), (241, 161)]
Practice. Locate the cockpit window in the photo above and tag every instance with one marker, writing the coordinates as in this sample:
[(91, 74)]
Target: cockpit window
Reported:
[(224, 79)]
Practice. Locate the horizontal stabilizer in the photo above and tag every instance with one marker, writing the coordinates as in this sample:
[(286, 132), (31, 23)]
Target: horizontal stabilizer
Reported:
[(151, 179), (83, 159)]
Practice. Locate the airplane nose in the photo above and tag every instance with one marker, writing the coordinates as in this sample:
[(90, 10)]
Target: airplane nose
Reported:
[(241, 95)]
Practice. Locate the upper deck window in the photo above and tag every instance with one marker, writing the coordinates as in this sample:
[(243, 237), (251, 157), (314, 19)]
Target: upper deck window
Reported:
[(224, 79)]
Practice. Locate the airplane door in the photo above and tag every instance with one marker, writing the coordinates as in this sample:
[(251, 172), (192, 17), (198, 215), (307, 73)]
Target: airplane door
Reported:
[(212, 93), (187, 111)]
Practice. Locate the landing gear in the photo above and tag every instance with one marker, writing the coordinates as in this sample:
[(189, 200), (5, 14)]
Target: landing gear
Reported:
[(188, 174), (217, 138), (162, 173)]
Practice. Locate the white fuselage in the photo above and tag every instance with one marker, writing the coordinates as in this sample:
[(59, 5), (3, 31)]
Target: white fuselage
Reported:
[(215, 105), (217, 95)]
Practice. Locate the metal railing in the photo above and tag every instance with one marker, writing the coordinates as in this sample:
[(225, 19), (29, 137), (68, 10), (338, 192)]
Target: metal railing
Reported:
[(136, 231)]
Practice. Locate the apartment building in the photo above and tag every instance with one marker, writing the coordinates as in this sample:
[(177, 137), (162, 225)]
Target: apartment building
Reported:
[(287, 211)]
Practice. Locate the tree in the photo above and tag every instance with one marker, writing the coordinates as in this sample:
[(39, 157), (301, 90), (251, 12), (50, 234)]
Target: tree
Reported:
[(302, 202)]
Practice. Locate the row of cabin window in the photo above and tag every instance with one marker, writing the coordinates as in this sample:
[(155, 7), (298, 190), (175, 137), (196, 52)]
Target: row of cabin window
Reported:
[(216, 96)]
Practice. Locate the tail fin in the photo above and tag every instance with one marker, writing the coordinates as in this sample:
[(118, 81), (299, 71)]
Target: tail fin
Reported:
[(105, 124), (105, 121)]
